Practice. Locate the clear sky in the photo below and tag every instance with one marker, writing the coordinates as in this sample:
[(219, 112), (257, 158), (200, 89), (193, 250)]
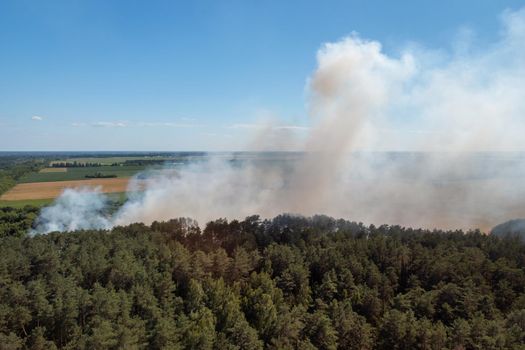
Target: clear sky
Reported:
[(189, 75)]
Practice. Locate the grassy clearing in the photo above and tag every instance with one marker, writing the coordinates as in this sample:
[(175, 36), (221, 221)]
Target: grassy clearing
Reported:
[(80, 173)]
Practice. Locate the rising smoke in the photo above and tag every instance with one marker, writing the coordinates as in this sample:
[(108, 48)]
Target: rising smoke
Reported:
[(458, 117), (75, 210)]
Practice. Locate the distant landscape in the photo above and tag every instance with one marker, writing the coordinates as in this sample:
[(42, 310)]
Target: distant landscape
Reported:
[(38, 178)]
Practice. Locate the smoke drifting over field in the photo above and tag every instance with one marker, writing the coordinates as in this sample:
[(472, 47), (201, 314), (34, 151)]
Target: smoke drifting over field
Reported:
[(74, 210), (363, 103)]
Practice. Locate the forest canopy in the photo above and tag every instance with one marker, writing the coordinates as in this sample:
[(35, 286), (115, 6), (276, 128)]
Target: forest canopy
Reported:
[(286, 283)]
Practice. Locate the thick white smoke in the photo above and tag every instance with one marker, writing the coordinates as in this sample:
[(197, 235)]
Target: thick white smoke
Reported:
[(75, 210), (363, 101)]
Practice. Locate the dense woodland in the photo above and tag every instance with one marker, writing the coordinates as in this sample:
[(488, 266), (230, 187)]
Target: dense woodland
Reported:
[(13, 167), (286, 283)]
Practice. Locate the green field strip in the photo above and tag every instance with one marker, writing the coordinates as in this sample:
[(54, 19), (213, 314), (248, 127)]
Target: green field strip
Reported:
[(73, 174), (23, 203)]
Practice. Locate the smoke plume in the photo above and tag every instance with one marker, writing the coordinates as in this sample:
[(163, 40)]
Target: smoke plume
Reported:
[(420, 137), (75, 210)]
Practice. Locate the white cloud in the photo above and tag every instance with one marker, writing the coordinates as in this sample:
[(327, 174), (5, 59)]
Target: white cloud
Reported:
[(268, 126), (170, 124), (247, 126), (109, 124), (37, 118), (125, 124), (100, 124), (213, 134), (77, 124), (291, 127)]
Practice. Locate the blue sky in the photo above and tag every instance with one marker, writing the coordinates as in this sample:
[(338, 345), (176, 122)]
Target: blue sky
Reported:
[(192, 75)]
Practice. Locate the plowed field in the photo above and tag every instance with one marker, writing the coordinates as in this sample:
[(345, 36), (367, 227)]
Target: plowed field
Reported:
[(43, 190)]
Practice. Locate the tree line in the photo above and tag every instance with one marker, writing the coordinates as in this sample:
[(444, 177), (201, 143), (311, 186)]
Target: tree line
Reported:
[(286, 283), (75, 164), (12, 168), (99, 175)]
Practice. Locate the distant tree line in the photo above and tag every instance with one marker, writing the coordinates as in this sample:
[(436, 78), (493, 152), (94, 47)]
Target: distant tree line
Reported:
[(100, 176), (75, 164), (144, 162), (286, 283)]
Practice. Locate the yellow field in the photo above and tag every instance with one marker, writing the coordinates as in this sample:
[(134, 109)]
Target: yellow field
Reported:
[(44, 190), (53, 170)]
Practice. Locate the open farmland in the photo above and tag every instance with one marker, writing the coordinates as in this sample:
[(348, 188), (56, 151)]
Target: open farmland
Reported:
[(45, 190), (73, 174), (23, 203), (115, 197)]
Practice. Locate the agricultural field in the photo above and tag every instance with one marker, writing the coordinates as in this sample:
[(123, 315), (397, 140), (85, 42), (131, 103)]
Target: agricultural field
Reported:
[(37, 182), (75, 174), (45, 190), (22, 203), (116, 197)]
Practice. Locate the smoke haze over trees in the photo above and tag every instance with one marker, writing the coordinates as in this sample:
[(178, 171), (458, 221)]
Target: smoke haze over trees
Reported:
[(285, 283)]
